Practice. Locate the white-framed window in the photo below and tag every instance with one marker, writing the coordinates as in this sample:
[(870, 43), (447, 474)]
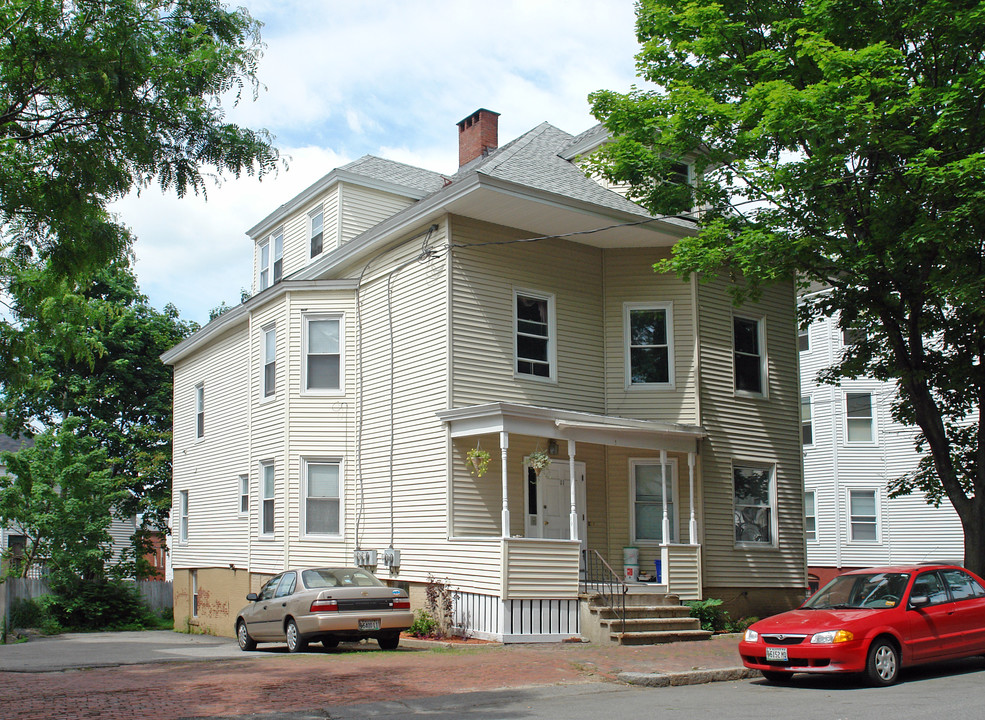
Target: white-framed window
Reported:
[(648, 330), (269, 361), (754, 504), (534, 333), (183, 516), (316, 231), (267, 489), (859, 418), (194, 581), (863, 515), (244, 495), (804, 339), (271, 259), (810, 516), (322, 497), (323, 344), (806, 421), (852, 336), (200, 410), (749, 355), (647, 489)]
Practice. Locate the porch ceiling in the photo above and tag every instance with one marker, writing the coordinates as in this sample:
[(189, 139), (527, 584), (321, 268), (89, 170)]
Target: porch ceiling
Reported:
[(568, 425)]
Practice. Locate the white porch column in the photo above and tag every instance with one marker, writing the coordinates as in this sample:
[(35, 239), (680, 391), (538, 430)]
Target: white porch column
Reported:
[(692, 529), (504, 446), (665, 527), (574, 491)]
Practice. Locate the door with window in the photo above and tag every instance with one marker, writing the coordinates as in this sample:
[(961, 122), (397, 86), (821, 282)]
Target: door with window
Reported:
[(548, 501)]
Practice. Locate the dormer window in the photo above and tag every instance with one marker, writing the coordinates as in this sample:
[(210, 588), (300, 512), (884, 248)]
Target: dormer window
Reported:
[(317, 225), (272, 260)]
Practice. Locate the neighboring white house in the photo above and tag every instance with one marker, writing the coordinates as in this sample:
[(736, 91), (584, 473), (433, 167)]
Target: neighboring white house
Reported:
[(852, 448), (402, 317)]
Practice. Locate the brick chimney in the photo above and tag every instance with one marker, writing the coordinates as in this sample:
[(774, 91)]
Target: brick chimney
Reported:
[(478, 135)]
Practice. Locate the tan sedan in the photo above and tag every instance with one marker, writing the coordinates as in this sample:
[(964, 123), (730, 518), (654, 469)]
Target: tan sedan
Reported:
[(325, 605)]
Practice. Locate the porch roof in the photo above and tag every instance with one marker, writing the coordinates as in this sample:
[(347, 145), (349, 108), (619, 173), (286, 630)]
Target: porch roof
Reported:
[(515, 418)]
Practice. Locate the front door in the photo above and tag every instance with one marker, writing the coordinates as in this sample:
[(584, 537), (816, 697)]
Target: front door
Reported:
[(549, 501)]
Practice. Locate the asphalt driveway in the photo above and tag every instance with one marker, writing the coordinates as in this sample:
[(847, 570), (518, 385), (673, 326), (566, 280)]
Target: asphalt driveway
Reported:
[(91, 650)]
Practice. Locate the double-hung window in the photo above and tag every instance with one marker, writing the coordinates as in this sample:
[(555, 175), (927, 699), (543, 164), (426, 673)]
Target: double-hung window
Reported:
[(859, 420), (269, 361), (750, 360), (271, 260), (316, 228), (753, 504), (649, 488), (806, 421), (804, 340), (810, 515), (322, 353), (322, 499), (267, 489), (649, 344), (244, 494), (183, 516), (200, 410), (863, 515), (534, 326)]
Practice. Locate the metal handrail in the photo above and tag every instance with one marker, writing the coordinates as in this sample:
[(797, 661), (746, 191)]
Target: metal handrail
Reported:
[(602, 579)]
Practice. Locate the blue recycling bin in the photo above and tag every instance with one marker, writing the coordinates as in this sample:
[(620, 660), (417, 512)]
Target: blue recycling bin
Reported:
[(657, 574)]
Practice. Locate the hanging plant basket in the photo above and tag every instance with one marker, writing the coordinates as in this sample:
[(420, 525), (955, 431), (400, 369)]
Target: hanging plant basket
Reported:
[(539, 460), (478, 461)]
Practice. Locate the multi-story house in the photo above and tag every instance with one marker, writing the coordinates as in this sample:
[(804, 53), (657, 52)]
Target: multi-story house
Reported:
[(402, 318), (852, 449)]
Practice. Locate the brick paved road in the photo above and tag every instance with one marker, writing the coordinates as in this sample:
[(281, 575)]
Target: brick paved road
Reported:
[(294, 683)]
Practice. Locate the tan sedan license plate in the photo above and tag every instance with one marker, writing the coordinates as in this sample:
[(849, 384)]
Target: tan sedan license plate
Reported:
[(375, 625), (776, 654)]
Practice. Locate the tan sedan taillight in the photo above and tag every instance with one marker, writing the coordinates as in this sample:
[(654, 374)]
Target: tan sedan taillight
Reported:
[(401, 604), (324, 605)]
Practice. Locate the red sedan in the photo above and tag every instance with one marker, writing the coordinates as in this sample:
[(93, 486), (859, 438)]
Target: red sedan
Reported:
[(875, 622)]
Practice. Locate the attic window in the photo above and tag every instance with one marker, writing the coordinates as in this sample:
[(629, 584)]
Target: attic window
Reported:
[(317, 224)]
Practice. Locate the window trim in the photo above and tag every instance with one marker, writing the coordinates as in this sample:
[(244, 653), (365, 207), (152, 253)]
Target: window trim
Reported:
[(264, 499), (305, 463), (307, 319), (244, 494), (627, 314), (268, 392), (273, 244), (199, 411), (873, 426), (551, 334), (809, 420), (263, 266), (804, 333), (877, 518), (774, 524), (812, 515), (761, 339), (312, 214), (673, 509), (183, 517)]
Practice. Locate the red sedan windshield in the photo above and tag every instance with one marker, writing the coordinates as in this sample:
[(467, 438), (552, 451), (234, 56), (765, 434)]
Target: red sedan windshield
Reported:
[(865, 590)]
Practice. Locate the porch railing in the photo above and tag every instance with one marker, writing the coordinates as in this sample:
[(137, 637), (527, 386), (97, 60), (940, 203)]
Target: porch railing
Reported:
[(600, 578)]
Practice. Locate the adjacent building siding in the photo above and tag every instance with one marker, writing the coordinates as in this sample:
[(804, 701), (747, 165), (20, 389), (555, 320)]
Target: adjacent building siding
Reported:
[(750, 429)]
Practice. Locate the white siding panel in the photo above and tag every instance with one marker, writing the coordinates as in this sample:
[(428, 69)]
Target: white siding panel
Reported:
[(362, 208)]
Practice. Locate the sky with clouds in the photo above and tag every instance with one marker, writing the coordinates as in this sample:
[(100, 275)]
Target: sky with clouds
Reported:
[(346, 78)]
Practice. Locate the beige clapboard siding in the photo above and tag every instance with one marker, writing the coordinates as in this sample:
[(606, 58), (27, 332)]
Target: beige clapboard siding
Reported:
[(482, 318), (764, 430), (630, 278), (209, 468), (540, 569), (684, 576), (362, 208)]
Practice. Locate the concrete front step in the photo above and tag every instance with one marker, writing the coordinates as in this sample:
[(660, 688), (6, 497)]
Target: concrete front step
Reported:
[(655, 624), (657, 637), (662, 611)]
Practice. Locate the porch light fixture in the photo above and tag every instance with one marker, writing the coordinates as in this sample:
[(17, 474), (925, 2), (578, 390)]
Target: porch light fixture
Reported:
[(552, 447)]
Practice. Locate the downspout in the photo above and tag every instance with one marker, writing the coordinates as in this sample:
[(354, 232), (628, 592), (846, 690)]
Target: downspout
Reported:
[(250, 527), (834, 451), (286, 453)]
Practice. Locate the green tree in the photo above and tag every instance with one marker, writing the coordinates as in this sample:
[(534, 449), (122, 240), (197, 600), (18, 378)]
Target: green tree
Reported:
[(60, 493), (844, 141), (98, 97), (87, 349)]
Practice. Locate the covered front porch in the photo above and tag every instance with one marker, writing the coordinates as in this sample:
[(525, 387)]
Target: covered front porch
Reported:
[(611, 483)]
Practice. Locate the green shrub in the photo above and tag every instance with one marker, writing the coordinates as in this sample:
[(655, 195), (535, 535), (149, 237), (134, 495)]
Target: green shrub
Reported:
[(424, 625), (98, 605), (709, 612), (35, 614)]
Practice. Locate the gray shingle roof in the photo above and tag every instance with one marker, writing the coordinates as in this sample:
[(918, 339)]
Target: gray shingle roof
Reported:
[(9, 444), (397, 173)]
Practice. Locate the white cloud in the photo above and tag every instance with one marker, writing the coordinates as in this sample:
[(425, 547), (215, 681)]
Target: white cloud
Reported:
[(349, 77)]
